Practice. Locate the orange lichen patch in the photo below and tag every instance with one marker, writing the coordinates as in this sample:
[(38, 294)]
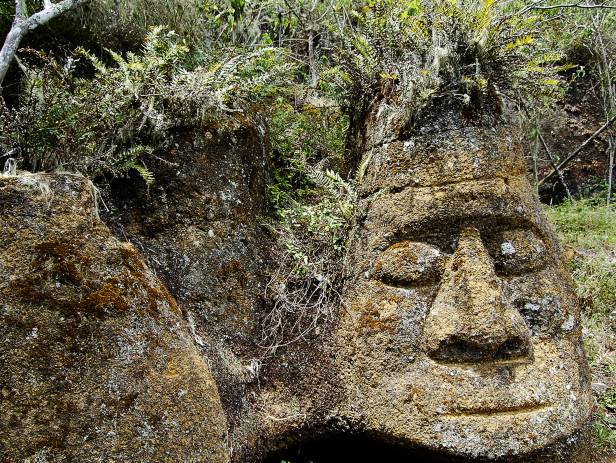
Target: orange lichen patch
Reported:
[(164, 294), (28, 289), (173, 369), (137, 275), (107, 299), (372, 321), (231, 268), (61, 260), (132, 259)]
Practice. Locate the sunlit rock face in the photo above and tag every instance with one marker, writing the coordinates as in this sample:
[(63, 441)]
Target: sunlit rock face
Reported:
[(458, 339), (460, 331), (96, 360)]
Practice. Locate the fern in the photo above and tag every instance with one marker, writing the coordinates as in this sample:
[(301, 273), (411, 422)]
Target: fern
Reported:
[(98, 65), (144, 172), (329, 181)]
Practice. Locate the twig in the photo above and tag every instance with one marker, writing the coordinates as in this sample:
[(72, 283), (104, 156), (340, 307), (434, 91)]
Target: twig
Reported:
[(537, 6), (22, 24), (553, 163), (572, 156), (610, 170)]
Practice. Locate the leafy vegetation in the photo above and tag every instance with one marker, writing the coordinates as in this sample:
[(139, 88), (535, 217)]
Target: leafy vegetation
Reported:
[(313, 208), (109, 123), (474, 53), (589, 227)]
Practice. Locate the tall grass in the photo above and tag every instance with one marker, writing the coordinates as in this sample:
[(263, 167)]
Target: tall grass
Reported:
[(589, 228)]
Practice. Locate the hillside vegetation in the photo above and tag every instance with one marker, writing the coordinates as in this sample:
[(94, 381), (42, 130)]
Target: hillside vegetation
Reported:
[(102, 90)]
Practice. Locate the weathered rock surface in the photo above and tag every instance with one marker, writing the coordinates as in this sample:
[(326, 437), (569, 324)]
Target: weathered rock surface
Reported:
[(199, 228), (96, 360), (461, 332), (459, 335)]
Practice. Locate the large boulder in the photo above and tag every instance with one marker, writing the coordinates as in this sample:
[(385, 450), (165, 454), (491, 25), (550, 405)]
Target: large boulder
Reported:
[(96, 360), (459, 336), (200, 226)]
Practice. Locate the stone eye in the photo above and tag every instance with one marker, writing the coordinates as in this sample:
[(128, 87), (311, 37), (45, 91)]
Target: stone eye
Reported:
[(516, 252), (409, 263)]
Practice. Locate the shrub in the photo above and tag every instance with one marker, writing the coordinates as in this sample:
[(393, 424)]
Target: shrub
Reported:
[(472, 54), (590, 227), (303, 136), (313, 207), (305, 289), (108, 124)]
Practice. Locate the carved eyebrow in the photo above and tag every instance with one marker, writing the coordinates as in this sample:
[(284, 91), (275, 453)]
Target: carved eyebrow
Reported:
[(443, 231), (413, 211)]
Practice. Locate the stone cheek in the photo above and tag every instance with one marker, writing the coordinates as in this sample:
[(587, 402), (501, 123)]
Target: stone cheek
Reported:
[(96, 363)]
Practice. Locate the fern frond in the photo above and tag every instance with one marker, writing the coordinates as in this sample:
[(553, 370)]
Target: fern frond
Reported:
[(145, 173), (118, 59), (331, 182), (98, 65)]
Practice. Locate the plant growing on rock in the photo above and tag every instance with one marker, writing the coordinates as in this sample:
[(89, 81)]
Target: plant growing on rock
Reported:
[(108, 124), (313, 208), (471, 54), (305, 289)]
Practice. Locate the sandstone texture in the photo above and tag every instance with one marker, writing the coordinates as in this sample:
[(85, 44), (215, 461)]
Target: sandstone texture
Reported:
[(458, 336), (96, 360), (461, 332), (200, 228)]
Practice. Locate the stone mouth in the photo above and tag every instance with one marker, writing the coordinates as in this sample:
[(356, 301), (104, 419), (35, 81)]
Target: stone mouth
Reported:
[(498, 411), (488, 364)]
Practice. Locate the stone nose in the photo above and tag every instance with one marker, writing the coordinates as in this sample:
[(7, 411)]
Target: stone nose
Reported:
[(469, 321)]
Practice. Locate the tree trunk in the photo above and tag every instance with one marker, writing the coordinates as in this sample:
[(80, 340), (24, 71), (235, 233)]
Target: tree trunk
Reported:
[(312, 60), (11, 44), (22, 25)]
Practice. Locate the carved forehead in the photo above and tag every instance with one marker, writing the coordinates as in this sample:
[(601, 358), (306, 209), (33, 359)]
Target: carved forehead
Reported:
[(417, 211), (442, 158)]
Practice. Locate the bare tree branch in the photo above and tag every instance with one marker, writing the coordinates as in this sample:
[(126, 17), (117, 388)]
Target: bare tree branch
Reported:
[(572, 156), (21, 10), (553, 163), (537, 5), (22, 24)]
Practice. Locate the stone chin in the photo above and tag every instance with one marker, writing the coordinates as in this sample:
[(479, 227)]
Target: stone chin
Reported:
[(489, 411)]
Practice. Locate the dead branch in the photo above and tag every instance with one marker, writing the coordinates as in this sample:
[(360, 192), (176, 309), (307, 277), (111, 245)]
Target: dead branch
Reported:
[(23, 23), (553, 163), (573, 155), (588, 6)]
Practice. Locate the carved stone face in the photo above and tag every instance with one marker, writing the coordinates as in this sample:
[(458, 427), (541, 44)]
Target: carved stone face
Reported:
[(460, 332)]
